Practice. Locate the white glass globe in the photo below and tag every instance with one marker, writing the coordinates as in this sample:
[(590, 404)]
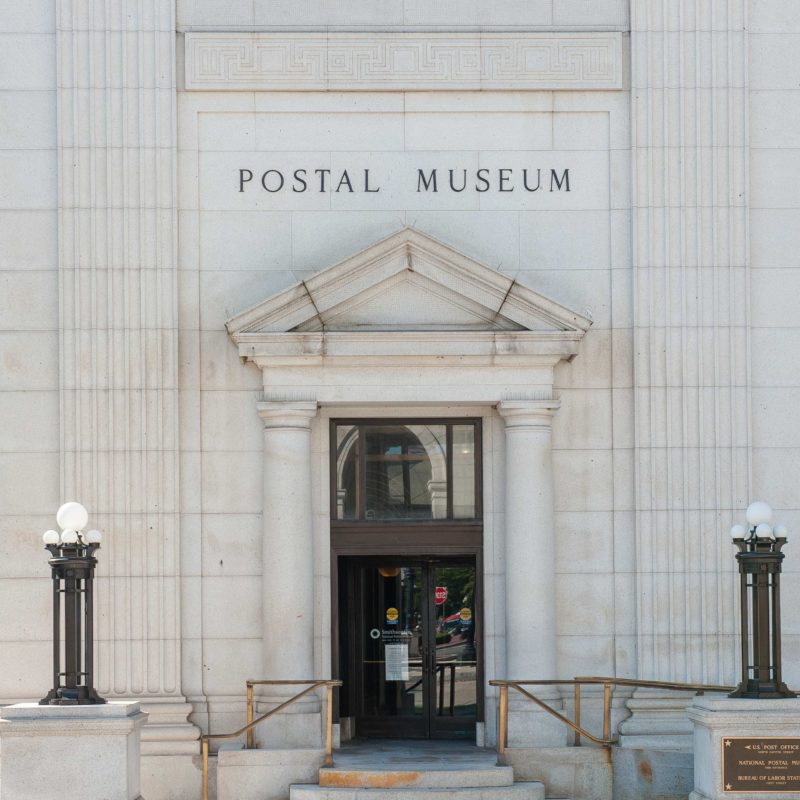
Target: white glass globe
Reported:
[(763, 530), (93, 537), (738, 532), (759, 512), (69, 536), (72, 516), (51, 537), (780, 531)]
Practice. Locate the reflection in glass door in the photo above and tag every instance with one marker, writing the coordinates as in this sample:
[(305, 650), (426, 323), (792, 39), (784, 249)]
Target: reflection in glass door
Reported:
[(415, 648), (455, 659)]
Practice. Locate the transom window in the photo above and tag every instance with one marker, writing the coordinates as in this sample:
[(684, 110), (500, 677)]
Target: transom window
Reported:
[(407, 470)]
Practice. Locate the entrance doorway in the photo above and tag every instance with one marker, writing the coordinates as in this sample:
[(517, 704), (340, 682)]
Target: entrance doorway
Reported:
[(406, 539), (414, 653)]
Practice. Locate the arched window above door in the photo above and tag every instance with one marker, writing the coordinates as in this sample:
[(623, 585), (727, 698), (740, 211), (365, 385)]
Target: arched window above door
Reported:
[(390, 470)]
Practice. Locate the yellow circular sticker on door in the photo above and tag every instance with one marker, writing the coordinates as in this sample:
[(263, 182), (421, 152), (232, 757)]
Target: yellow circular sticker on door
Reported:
[(392, 614), (465, 614)]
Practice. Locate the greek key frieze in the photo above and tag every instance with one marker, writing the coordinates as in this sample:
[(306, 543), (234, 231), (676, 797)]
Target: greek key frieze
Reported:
[(402, 62)]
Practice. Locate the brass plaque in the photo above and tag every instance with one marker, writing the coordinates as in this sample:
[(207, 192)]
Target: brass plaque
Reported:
[(763, 764)]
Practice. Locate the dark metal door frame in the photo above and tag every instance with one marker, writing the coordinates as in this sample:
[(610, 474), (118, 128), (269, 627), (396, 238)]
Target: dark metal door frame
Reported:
[(403, 540), (430, 724)]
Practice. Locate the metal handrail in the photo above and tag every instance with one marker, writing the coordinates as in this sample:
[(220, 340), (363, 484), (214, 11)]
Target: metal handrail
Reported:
[(577, 683), (249, 727)]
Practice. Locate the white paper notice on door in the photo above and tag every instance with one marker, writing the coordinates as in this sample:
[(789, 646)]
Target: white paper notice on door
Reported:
[(396, 662)]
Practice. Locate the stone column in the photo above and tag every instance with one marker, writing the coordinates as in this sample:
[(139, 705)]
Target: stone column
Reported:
[(530, 564), (287, 559)]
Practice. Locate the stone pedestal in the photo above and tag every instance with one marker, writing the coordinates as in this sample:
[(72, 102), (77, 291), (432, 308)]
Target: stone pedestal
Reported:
[(716, 719), (70, 752)]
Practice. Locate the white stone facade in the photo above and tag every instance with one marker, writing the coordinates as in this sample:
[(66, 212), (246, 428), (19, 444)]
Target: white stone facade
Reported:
[(654, 318)]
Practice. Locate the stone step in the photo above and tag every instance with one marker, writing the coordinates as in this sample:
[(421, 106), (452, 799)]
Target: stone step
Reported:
[(526, 790), (397, 777)]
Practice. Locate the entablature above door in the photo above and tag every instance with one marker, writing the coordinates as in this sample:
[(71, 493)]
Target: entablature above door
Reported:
[(407, 319)]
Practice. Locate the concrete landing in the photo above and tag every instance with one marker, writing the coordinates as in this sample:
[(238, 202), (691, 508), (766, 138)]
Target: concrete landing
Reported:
[(424, 764), (424, 770)]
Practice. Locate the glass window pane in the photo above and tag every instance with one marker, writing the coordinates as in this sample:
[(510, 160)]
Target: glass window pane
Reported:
[(347, 467), (463, 471), (406, 472), (456, 654), (402, 473), (392, 665)]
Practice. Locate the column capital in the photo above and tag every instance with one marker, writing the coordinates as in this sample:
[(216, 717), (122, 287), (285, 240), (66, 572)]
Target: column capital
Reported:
[(528, 413), (287, 413)]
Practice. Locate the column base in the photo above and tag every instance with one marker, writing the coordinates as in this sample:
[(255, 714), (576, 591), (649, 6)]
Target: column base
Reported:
[(658, 721), (168, 731), (171, 768), (71, 752), (717, 719)]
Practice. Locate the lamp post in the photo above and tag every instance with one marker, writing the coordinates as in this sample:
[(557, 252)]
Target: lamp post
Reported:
[(72, 562), (759, 559)]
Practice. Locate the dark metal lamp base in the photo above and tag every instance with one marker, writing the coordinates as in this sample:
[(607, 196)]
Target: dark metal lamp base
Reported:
[(763, 690), (72, 696)]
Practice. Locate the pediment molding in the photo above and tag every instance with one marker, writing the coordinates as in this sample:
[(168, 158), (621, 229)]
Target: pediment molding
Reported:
[(472, 308), (408, 320)]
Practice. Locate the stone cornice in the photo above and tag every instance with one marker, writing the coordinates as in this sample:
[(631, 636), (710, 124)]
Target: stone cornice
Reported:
[(381, 61), (518, 348)]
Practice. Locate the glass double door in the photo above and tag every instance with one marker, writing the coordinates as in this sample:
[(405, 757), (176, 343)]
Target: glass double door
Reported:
[(415, 649)]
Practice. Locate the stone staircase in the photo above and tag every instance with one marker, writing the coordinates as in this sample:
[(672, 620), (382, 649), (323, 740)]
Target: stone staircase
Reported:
[(400, 771), (409, 770)]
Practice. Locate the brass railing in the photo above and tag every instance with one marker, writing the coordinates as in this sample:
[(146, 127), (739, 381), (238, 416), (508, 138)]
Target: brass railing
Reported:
[(577, 683), (249, 727)]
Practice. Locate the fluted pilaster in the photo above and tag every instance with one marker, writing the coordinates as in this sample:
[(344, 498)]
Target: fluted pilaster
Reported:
[(118, 324), (690, 197)]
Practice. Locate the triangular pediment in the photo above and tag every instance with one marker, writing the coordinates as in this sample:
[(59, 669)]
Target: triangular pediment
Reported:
[(407, 282)]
